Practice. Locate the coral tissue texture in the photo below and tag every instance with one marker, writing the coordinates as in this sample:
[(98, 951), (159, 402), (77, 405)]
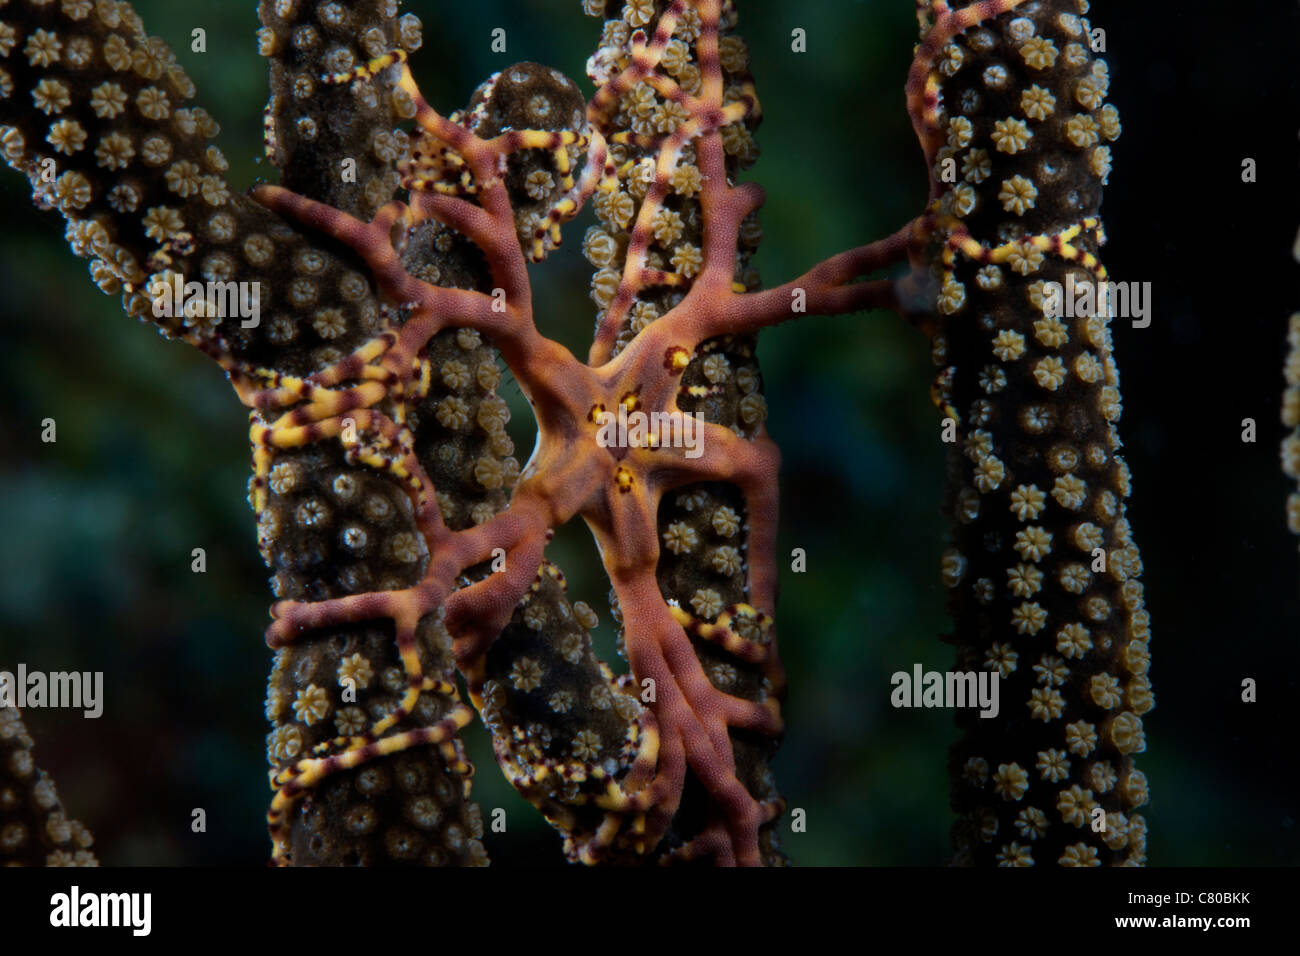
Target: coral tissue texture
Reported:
[(654, 219), (1043, 571), (34, 830)]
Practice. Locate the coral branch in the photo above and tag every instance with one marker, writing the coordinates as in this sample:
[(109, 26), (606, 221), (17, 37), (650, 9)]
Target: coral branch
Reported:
[(34, 829), (1043, 571)]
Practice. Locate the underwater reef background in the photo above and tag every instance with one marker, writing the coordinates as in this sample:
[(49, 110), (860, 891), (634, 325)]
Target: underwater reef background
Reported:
[(152, 454)]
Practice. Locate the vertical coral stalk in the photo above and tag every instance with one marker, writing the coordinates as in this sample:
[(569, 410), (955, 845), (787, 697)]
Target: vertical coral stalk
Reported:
[(102, 130), (1043, 573), (1291, 419), (332, 526), (655, 218)]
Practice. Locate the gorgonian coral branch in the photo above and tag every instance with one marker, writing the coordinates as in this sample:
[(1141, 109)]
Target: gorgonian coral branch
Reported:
[(313, 126), (34, 829), (1008, 101)]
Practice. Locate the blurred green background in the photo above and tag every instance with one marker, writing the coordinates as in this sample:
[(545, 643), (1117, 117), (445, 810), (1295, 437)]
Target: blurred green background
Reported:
[(152, 458)]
